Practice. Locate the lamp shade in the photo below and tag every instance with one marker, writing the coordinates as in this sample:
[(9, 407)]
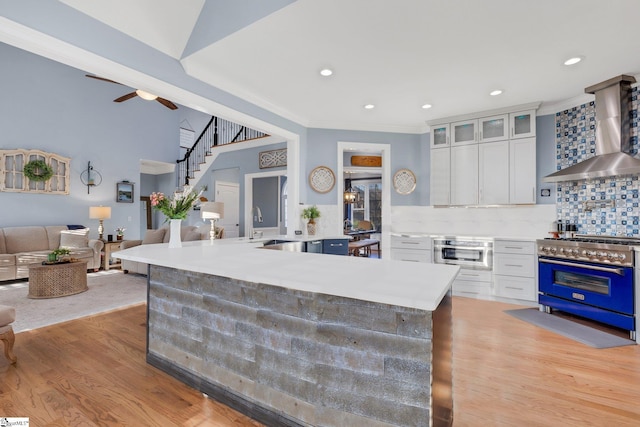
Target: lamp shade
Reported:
[(99, 212), (212, 210)]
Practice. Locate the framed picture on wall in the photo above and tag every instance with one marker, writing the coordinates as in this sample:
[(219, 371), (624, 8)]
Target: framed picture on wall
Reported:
[(124, 192)]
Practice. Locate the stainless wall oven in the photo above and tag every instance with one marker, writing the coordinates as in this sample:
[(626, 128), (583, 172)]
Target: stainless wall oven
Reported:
[(589, 277), (468, 252)]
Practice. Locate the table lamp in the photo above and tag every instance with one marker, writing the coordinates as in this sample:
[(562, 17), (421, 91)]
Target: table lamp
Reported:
[(212, 211), (100, 213)]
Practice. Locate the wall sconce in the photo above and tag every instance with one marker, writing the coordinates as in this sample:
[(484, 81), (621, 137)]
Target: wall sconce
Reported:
[(212, 211), (100, 213), (90, 177)]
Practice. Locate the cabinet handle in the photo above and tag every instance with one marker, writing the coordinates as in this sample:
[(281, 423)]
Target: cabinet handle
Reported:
[(513, 265), (480, 135), (410, 260), (512, 132), (533, 194), (335, 244), (410, 243), (513, 287), (469, 292), (514, 247), (475, 136)]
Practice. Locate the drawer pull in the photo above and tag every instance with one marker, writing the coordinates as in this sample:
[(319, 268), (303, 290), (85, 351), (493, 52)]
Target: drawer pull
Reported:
[(410, 260), (514, 247), (469, 292), (514, 265), (513, 287), (410, 243)]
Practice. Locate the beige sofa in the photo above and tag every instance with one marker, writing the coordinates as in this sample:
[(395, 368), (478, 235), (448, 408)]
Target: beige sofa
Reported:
[(161, 235), (22, 246)]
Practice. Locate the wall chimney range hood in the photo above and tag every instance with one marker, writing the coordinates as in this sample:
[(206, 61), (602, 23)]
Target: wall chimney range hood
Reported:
[(613, 135)]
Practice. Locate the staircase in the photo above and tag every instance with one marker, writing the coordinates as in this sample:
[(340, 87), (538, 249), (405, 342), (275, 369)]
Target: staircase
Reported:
[(218, 132)]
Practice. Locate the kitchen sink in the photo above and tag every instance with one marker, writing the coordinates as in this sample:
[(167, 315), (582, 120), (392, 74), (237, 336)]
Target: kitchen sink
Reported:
[(284, 245)]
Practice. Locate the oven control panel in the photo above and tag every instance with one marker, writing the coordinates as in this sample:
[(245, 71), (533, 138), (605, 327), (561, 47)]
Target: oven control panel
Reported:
[(590, 252)]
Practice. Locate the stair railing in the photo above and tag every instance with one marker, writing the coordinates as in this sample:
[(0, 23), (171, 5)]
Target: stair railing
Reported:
[(218, 132)]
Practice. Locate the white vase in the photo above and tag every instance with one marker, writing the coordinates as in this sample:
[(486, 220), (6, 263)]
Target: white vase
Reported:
[(174, 233)]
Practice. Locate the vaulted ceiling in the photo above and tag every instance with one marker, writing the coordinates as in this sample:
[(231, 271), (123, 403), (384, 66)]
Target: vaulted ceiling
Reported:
[(396, 56)]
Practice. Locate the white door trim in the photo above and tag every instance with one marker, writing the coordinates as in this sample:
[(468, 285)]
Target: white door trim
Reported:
[(385, 151), (248, 196)]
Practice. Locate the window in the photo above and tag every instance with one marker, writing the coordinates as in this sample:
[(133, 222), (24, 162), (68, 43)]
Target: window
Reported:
[(12, 176), (368, 205)]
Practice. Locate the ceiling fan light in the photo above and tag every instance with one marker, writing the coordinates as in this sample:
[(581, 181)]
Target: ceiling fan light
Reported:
[(145, 95)]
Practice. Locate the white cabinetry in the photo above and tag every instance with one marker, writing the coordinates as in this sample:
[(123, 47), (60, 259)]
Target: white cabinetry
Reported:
[(522, 124), (514, 268), (493, 164), (522, 173), (492, 158), (464, 175), (440, 176), (495, 128), (411, 248), (472, 284), (440, 136), (465, 132)]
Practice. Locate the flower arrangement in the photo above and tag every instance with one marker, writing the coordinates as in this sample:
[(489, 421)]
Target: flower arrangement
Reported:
[(177, 206), (120, 231)]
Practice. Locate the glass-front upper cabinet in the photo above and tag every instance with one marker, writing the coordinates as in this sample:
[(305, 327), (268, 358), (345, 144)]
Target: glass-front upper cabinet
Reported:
[(495, 128), (523, 124), (465, 132), (439, 136)]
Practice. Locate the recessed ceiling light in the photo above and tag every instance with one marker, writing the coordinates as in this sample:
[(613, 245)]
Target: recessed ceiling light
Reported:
[(573, 61), (495, 92), (326, 72), (369, 107), (427, 106)]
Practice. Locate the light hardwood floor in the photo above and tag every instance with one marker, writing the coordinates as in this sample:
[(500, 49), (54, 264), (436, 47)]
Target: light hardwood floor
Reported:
[(506, 373)]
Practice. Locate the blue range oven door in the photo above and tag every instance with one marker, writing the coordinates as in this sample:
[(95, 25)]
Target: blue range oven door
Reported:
[(603, 286)]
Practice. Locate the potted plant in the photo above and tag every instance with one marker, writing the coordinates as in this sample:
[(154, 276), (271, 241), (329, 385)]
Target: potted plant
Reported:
[(120, 233), (58, 255), (311, 213)]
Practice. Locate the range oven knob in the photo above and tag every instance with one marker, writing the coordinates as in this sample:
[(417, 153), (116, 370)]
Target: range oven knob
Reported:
[(552, 250), (589, 253), (562, 251), (612, 256), (622, 257)]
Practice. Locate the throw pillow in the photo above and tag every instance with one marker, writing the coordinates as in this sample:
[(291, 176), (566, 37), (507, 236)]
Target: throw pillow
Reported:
[(192, 235), (70, 239), (153, 236)]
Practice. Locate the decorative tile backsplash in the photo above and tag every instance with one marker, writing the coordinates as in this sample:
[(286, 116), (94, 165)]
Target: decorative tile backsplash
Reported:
[(606, 206)]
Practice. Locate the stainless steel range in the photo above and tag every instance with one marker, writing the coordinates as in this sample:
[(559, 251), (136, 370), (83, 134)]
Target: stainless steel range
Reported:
[(589, 276)]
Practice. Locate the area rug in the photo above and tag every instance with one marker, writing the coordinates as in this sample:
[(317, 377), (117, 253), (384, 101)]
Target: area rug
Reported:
[(108, 290), (575, 331)]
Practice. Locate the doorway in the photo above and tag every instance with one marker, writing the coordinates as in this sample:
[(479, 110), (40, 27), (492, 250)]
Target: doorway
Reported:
[(344, 170), (254, 212)]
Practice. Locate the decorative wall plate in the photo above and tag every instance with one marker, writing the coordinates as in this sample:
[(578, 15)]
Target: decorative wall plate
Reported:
[(404, 181), (322, 179)]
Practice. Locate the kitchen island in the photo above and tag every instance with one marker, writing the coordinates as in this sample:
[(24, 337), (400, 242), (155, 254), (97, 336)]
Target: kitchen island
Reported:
[(300, 338)]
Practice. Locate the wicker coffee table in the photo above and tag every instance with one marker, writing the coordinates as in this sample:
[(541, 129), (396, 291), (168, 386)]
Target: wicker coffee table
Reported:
[(57, 280)]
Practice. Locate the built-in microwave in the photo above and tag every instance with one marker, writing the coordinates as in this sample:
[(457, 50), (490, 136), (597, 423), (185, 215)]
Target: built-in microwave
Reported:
[(468, 252)]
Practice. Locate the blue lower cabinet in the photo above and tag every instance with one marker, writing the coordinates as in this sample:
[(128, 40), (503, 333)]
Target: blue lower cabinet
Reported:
[(335, 246)]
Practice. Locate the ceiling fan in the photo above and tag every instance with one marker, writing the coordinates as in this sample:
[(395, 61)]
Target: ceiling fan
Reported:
[(138, 92)]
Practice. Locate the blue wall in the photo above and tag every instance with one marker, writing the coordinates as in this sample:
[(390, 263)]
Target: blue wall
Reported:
[(409, 151), (55, 108)]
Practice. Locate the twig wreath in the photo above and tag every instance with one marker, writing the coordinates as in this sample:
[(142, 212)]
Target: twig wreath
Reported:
[(37, 170)]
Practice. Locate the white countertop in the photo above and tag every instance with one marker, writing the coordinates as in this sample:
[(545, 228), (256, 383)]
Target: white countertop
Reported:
[(406, 284)]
